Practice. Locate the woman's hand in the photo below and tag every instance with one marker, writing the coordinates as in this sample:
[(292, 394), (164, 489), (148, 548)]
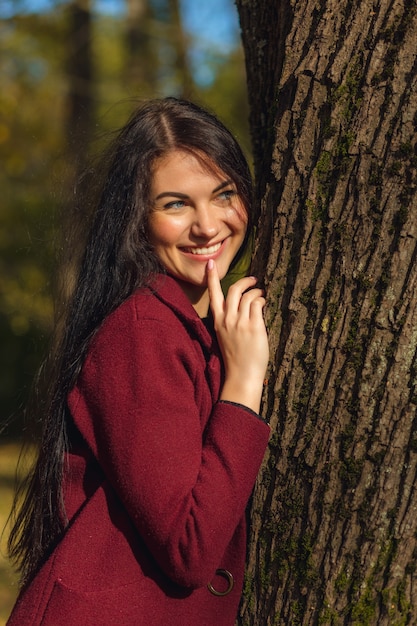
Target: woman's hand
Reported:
[(242, 337)]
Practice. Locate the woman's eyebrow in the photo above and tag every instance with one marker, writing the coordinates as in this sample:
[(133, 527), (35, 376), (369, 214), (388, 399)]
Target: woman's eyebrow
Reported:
[(226, 183), (184, 196), (170, 194)]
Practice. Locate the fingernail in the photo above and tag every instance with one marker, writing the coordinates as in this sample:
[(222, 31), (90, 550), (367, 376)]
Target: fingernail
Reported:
[(210, 264)]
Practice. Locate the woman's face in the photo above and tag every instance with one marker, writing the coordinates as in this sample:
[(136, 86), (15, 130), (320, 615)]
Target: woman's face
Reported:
[(196, 215)]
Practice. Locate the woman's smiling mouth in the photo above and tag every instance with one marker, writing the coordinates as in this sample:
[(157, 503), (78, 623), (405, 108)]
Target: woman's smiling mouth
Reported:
[(204, 250)]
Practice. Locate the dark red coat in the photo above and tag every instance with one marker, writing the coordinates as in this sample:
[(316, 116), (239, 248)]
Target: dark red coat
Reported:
[(157, 481)]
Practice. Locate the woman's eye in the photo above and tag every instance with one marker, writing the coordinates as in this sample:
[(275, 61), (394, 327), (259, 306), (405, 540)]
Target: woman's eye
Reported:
[(175, 204), (227, 195)]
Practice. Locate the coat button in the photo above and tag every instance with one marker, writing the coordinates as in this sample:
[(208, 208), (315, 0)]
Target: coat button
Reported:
[(230, 582)]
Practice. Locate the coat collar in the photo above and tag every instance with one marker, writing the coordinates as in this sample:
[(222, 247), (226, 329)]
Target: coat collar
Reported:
[(168, 291)]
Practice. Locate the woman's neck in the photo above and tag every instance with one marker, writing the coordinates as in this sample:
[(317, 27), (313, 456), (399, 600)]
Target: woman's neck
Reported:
[(198, 296)]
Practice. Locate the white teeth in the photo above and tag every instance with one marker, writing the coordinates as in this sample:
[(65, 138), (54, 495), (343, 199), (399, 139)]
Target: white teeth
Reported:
[(210, 250)]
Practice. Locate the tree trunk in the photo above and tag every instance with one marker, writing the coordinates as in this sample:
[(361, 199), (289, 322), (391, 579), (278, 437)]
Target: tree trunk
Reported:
[(180, 44), (141, 62), (333, 96), (80, 84), (79, 117)]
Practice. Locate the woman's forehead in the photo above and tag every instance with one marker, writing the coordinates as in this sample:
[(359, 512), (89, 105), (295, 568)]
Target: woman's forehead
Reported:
[(194, 159)]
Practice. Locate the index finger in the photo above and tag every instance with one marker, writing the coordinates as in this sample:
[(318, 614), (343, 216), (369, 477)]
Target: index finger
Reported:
[(214, 289)]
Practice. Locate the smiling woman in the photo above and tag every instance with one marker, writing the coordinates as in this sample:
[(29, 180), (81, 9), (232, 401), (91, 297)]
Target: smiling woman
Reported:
[(135, 511), (202, 218)]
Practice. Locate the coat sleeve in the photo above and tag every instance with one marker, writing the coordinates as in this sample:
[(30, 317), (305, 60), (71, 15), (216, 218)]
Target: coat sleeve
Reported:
[(138, 404)]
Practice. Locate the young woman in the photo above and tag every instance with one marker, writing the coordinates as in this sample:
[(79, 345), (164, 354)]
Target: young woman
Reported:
[(135, 513)]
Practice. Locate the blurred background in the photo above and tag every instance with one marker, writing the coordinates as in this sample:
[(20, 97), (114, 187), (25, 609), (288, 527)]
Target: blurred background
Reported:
[(71, 72)]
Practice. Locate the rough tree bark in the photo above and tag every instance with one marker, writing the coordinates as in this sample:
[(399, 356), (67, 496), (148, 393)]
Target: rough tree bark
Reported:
[(333, 96)]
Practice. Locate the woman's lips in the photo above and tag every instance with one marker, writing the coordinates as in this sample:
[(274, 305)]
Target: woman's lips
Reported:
[(204, 250)]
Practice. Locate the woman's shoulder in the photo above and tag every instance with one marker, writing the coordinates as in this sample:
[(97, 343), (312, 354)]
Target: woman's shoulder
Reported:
[(141, 309), (163, 310), (160, 313), (162, 300)]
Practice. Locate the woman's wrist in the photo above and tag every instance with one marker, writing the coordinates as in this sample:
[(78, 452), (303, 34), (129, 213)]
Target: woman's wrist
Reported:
[(245, 394)]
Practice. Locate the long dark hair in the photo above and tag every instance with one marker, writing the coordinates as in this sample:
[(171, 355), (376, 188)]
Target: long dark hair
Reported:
[(117, 260)]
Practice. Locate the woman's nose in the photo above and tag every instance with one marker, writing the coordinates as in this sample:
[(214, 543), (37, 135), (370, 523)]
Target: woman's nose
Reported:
[(205, 222)]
